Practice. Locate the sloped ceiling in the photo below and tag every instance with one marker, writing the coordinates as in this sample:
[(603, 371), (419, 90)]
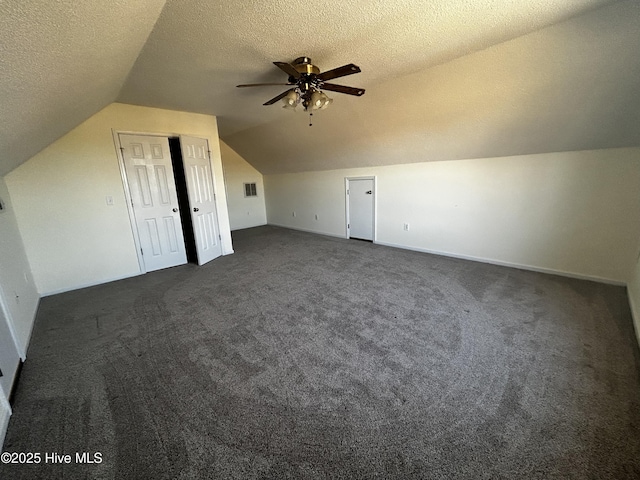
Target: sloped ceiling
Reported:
[(60, 62), (445, 79)]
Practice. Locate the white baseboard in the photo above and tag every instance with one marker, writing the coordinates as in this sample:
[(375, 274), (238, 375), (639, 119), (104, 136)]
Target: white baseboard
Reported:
[(248, 226), (501, 263), (92, 284), (5, 415), (107, 280), (491, 261), (306, 230)]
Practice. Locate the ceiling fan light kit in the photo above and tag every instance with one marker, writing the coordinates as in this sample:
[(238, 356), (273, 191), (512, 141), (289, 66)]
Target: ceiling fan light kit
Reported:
[(308, 83)]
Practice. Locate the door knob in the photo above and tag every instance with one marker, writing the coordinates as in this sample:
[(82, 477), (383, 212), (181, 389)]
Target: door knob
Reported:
[(175, 210), (196, 209)]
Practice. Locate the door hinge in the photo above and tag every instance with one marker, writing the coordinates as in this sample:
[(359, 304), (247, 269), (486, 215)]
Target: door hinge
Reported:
[(209, 152), (219, 237), (141, 252), (348, 226), (347, 191)]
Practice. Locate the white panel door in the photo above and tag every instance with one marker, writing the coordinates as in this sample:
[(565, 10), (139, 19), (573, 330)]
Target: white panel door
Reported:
[(361, 208), (202, 199), (147, 161), (9, 357)]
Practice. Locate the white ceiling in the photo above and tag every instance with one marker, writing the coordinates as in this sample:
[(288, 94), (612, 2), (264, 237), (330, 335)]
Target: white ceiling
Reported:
[(445, 79), (60, 62)]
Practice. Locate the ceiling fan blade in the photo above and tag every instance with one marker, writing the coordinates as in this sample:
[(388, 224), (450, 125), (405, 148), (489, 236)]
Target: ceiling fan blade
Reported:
[(288, 69), (342, 89), (262, 84), (279, 97), (342, 71)]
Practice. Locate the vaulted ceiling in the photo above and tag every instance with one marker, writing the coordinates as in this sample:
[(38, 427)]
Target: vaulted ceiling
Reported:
[(444, 79)]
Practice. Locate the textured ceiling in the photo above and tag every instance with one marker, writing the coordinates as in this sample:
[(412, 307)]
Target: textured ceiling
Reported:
[(570, 86), (445, 79), (60, 62)]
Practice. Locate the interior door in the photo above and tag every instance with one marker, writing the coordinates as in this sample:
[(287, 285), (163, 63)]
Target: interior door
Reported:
[(202, 198), (9, 357), (149, 171), (361, 208)]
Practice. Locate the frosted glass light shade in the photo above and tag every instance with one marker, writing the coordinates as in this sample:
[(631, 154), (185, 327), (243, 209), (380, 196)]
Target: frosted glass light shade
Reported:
[(328, 101), (319, 101), (291, 99)]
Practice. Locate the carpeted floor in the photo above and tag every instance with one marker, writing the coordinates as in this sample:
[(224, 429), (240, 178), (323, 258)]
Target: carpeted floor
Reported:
[(303, 356)]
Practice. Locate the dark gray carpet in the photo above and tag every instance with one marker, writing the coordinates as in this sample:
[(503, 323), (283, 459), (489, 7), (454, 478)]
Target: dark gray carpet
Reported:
[(303, 356)]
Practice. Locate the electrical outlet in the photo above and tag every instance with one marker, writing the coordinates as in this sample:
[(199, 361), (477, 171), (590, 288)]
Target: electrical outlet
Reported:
[(406, 227), (109, 200)]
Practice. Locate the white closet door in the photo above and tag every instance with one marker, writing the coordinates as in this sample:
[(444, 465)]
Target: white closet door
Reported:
[(149, 170), (202, 198)]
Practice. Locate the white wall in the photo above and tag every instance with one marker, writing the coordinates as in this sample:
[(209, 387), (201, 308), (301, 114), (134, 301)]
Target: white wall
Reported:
[(574, 212), (71, 236), (244, 212), (17, 288)]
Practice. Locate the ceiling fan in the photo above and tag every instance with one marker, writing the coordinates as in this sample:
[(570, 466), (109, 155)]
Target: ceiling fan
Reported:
[(308, 83)]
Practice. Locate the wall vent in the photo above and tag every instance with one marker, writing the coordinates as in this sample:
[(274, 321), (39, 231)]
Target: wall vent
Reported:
[(250, 190)]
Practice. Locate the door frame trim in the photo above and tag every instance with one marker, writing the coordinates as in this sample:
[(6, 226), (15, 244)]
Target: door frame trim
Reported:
[(375, 205), (127, 194), (5, 416), (4, 306)]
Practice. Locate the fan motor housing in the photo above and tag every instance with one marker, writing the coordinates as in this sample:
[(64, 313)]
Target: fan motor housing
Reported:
[(304, 66)]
